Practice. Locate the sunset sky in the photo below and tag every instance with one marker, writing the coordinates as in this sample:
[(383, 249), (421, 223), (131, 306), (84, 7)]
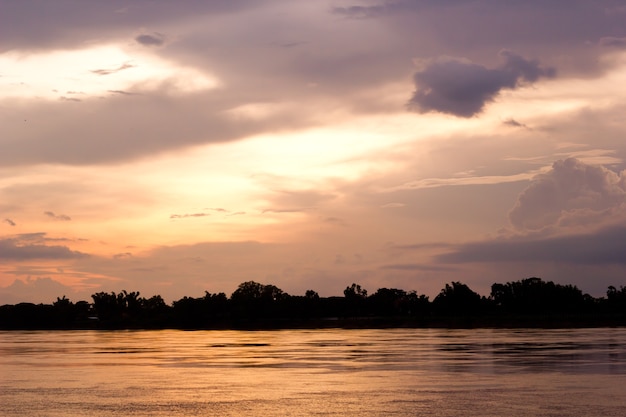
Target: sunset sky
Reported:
[(173, 147)]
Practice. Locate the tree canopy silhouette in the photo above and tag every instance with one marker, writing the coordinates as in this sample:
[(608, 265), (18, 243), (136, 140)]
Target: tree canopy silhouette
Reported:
[(530, 301)]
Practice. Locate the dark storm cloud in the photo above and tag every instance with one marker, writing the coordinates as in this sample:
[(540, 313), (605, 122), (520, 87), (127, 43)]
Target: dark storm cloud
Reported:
[(155, 39), (61, 217), (606, 246), (9, 222), (13, 249), (462, 88)]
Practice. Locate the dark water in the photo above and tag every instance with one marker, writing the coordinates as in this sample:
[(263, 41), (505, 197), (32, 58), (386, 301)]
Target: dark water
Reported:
[(332, 372)]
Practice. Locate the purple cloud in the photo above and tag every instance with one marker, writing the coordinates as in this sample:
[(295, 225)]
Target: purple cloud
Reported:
[(462, 88), (155, 39), (605, 246), (14, 249)]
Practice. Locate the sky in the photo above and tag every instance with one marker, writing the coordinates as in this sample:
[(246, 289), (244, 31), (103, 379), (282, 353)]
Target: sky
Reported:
[(174, 148)]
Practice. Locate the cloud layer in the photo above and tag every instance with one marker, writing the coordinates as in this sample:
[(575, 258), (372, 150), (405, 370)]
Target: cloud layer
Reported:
[(28, 247), (602, 247)]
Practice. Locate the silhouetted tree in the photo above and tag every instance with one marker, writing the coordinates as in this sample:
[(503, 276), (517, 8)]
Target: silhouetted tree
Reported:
[(107, 306), (131, 302), (388, 302), (311, 295), (532, 298), (355, 300), (355, 292), (253, 300), (63, 312), (535, 296), (616, 299), (122, 309), (154, 303), (418, 305), (457, 298), (189, 312)]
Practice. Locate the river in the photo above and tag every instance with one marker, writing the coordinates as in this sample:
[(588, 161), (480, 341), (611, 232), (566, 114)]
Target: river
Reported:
[(329, 372)]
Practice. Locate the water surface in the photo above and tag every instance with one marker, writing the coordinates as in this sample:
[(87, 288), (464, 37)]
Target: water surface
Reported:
[(330, 372)]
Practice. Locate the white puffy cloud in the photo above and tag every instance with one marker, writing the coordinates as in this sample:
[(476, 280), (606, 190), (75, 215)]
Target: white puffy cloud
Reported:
[(572, 192)]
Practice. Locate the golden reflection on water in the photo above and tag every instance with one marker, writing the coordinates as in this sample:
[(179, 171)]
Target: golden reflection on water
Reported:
[(438, 372)]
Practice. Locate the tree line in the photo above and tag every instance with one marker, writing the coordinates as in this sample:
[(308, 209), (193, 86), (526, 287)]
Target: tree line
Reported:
[(528, 302)]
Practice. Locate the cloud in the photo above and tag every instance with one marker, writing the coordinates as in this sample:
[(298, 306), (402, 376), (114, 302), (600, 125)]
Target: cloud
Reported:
[(9, 222), (34, 290), (76, 100), (32, 237), (61, 217), (417, 267), (613, 42), (291, 201), (604, 246), (462, 88), (361, 12), (115, 17), (112, 71), (183, 216), (457, 181), (19, 249), (570, 190), (334, 221), (57, 129), (154, 39), (420, 246), (225, 212), (122, 92), (514, 123), (392, 205)]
